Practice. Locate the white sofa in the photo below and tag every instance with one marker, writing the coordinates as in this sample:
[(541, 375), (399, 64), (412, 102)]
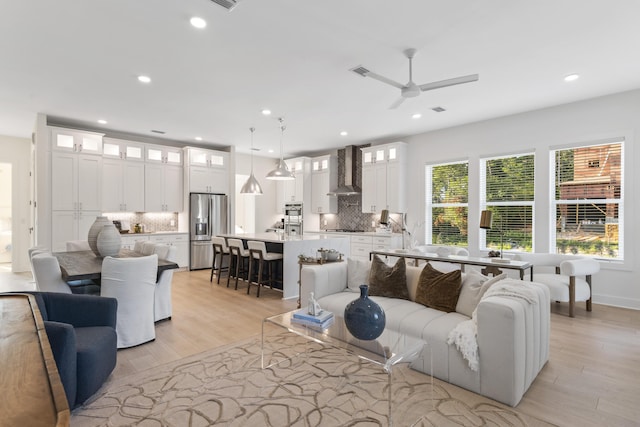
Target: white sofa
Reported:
[(513, 335)]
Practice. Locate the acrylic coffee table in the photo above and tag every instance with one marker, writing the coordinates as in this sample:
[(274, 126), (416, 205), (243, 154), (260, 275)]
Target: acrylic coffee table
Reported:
[(388, 350)]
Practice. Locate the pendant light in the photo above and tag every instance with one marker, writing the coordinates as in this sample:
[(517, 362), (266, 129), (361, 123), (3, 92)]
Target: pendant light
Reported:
[(252, 186), (281, 172)]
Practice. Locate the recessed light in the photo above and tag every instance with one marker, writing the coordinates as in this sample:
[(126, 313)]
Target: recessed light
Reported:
[(270, 150), (571, 77), (144, 79), (198, 138), (266, 112), (102, 122), (198, 22), (416, 116), (344, 133)]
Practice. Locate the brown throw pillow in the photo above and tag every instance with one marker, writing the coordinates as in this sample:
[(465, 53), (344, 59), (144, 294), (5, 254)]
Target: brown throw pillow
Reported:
[(439, 290), (387, 281)]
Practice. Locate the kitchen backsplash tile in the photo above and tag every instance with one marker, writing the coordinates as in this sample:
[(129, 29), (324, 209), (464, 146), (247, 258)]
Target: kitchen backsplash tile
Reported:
[(156, 221), (350, 215)]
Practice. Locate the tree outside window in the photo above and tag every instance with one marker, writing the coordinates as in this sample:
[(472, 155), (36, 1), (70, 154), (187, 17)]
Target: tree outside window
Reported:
[(507, 186), (447, 204)]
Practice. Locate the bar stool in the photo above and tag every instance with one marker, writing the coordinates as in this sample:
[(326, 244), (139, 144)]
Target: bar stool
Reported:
[(220, 249), (258, 252), (238, 254)]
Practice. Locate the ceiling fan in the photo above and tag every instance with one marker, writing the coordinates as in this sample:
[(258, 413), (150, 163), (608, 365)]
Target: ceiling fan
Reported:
[(411, 89)]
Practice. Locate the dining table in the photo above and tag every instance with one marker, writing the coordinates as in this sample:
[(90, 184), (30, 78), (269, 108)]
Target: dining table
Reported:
[(86, 265)]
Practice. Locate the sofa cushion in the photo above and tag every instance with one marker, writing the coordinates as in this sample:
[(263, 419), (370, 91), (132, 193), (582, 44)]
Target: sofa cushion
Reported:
[(388, 281), (474, 285), (439, 290), (357, 273)]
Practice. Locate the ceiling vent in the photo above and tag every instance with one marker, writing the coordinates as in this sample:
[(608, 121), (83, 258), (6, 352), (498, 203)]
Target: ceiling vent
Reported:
[(350, 170), (227, 4), (360, 70), (161, 132), (438, 109)]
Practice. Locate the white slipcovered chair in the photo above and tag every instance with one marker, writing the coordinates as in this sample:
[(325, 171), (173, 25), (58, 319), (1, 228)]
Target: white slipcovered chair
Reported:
[(138, 244), (78, 245), (162, 306), (47, 273), (132, 281), (568, 277), (148, 248)]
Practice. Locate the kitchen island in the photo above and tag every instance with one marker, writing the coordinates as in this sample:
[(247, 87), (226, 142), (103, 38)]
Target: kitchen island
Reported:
[(291, 247)]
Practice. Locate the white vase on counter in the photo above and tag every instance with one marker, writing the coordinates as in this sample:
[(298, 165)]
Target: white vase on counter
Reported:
[(109, 241), (95, 229)]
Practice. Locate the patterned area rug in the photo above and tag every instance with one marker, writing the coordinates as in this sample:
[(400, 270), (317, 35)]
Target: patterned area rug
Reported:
[(320, 387)]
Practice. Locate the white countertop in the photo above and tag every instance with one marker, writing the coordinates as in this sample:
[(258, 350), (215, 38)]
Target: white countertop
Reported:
[(352, 233), (283, 238)]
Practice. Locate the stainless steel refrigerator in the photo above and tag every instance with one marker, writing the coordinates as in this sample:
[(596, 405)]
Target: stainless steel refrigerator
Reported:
[(207, 218)]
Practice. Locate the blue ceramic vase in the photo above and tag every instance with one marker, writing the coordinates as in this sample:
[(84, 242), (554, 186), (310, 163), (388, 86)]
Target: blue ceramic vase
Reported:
[(364, 318)]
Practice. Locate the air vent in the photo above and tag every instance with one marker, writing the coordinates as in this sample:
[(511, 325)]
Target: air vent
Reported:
[(438, 109), (360, 70), (161, 132), (227, 4)]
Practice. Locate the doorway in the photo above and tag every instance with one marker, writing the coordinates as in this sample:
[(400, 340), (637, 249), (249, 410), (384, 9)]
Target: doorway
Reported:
[(6, 243), (245, 209)]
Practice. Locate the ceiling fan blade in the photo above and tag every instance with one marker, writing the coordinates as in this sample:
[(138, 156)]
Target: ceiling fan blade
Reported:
[(384, 80), (397, 103), (449, 82)]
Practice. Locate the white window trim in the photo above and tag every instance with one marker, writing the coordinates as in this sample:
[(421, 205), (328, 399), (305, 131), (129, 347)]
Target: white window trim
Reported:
[(429, 205), (624, 254)]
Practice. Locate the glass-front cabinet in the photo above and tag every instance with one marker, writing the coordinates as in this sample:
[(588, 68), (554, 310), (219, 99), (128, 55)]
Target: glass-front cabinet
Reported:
[(384, 178)]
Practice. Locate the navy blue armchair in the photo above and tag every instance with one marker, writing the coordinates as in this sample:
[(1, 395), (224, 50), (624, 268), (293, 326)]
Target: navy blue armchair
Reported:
[(82, 334)]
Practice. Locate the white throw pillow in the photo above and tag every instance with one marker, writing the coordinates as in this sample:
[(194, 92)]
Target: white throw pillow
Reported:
[(474, 285), (357, 273)]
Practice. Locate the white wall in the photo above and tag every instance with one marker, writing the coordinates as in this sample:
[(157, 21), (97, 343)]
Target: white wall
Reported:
[(266, 204), (17, 151), (539, 131)]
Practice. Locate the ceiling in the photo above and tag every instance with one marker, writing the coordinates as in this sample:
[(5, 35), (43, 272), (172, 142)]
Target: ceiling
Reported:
[(78, 61)]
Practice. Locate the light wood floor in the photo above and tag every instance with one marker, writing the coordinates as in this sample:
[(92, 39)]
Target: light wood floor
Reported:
[(591, 379)]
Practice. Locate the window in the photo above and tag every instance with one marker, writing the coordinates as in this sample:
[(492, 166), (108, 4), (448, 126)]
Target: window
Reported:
[(507, 189), (447, 203), (588, 200)]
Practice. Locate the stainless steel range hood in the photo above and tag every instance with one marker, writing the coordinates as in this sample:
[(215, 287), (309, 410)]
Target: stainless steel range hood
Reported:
[(349, 188)]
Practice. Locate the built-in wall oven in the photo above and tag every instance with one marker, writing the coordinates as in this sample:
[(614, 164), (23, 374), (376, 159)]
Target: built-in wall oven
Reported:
[(293, 218)]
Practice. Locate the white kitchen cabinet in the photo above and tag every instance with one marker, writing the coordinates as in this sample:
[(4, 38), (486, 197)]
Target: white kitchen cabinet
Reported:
[(163, 154), (208, 171), (70, 225), (122, 185), (122, 149), (362, 245), (129, 240), (75, 141), (384, 178), (163, 188), (76, 181), (323, 179), (292, 190), (180, 241)]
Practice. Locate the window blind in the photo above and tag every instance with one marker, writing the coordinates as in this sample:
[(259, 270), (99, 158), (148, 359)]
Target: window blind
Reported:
[(507, 189)]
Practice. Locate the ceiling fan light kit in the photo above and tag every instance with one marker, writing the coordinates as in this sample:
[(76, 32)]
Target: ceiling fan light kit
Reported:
[(411, 90)]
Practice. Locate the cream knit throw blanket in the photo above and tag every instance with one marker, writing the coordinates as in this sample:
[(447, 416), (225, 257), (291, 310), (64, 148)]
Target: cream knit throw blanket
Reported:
[(465, 334)]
